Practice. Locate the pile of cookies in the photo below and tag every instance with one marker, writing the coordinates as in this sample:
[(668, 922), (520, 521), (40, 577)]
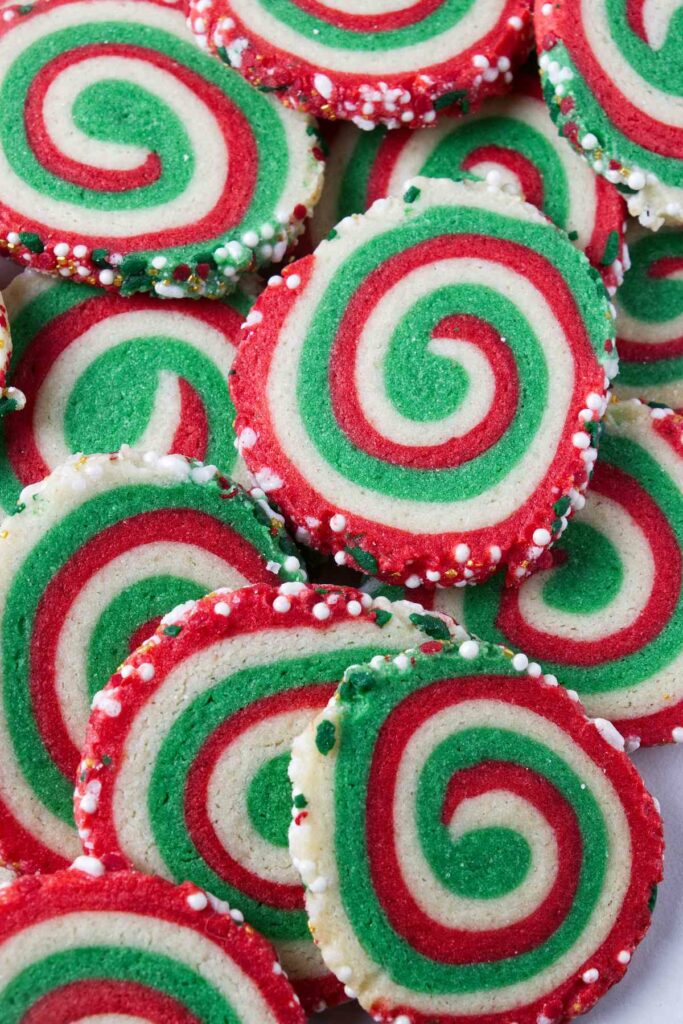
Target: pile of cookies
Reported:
[(341, 504)]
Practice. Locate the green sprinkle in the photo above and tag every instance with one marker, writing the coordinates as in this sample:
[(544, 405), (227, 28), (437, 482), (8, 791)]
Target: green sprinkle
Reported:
[(333, 234), (106, 760), (449, 98), (364, 559), (7, 405), (573, 236), (356, 680), (300, 801), (31, 241), (172, 630), (411, 195), (431, 625), (325, 737), (100, 257), (382, 616), (611, 249), (561, 507), (652, 903)]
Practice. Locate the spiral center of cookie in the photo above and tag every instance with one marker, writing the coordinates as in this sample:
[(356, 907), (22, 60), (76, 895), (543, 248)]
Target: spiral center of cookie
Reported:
[(269, 800), (572, 586), (483, 864)]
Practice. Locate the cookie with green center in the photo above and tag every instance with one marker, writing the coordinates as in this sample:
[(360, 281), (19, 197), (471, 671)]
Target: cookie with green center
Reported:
[(10, 398), (421, 391), (650, 319), (80, 351), (504, 849), (130, 160), (85, 945), (377, 62), (605, 614), (188, 779), (511, 142), (613, 80), (91, 559)]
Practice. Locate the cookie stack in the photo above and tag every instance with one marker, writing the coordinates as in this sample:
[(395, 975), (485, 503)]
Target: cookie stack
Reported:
[(341, 567)]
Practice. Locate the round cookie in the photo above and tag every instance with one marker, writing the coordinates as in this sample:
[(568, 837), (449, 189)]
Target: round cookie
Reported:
[(504, 848), (189, 778), (92, 559), (10, 398), (371, 62), (650, 319), (79, 351), (612, 78), (80, 945), (509, 141), (606, 613), (420, 393), (131, 160)]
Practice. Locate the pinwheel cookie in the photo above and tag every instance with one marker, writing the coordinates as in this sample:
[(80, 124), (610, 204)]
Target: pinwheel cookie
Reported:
[(422, 395), (91, 559)]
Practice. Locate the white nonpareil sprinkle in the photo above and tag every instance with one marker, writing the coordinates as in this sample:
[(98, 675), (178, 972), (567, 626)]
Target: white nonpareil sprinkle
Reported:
[(197, 901), (281, 604), (590, 976), (520, 662), (89, 866), (321, 611), (469, 650), (338, 523), (222, 608)]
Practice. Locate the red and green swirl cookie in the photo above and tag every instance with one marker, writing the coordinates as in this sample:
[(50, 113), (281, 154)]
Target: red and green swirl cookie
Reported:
[(79, 352), (650, 319), (10, 397), (605, 615), (129, 159), (392, 62), (423, 391), (510, 142), (613, 80), (504, 848), (91, 560), (189, 778), (81, 945)]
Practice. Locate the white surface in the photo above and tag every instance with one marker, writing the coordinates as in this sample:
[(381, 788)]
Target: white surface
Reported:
[(652, 991)]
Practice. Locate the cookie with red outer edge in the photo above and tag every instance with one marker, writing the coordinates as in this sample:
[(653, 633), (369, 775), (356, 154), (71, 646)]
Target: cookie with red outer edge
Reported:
[(504, 848), (612, 78), (511, 142), (10, 398), (650, 319), (92, 559), (189, 779), (377, 62), (420, 393), (85, 944), (79, 351), (605, 614), (131, 160)]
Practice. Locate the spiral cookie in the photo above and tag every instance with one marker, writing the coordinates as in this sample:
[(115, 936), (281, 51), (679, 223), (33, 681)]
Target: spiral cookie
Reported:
[(650, 319), (79, 351), (422, 392), (606, 614), (613, 80), (80, 945), (189, 778), (96, 554), (392, 62), (510, 142), (503, 851), (10, 398), (131, 160)]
